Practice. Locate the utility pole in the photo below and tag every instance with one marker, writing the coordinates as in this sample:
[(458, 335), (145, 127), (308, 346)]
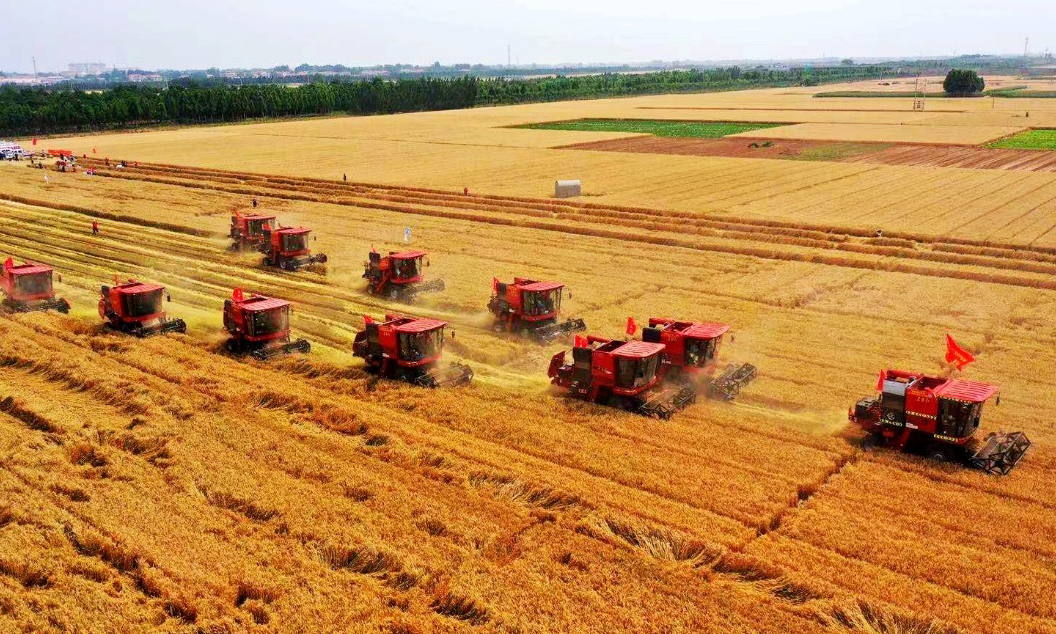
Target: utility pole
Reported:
[(1026, 47), (34, 66)]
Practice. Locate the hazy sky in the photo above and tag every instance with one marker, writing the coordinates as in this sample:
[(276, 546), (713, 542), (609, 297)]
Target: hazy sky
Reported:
[(263, 33)]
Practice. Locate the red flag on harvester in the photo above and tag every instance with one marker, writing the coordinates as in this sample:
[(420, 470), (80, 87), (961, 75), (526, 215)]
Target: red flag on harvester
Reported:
[(9, 263), (495, 285), (580, 342), (631, 326), (956, 354), (237, 295), (367, 319), (880, 381)]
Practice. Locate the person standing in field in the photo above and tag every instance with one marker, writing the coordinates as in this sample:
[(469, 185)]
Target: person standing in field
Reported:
[(95, 227), (254, 202), (345, 176), (46, 179)]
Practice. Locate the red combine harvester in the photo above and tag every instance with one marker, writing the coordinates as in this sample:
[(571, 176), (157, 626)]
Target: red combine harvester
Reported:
[(623, 374), (28, 287), (247, 230), (260, 326), (135, 308), (937, 417), (530, 308), (398, 275), (287, 248), (691, 354), (408, 349)]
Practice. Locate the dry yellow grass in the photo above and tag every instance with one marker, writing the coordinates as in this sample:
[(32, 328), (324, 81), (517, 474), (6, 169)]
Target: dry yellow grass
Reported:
[(154, 485)]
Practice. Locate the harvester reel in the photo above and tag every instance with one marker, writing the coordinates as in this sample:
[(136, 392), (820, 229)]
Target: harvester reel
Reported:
[(727, 385), (1000, 452), (452, 375)]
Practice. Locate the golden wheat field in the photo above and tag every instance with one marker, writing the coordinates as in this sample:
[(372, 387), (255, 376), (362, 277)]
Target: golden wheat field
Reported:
[(158, 485)]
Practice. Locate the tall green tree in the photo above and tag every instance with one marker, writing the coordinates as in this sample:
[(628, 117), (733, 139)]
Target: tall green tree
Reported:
[(962, 82)]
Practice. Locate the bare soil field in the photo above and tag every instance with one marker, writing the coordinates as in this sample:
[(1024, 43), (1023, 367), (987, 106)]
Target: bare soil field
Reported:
[(842, 151), (740, 148)]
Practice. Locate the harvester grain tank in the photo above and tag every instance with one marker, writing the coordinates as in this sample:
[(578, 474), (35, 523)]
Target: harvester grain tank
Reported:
[(287, 248), (398, 275), (939, 418), (691, 353), (136, 308), (622, 374), (530, 308), (28, 287), (409, 349), (260, 326), (247, 230)]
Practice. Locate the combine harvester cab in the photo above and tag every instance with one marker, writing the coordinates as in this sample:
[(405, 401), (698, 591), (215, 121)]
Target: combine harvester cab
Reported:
[(409, 349), (398, 275), (622, 374), (691, 353), (136, 308), (28, 287), (260, 326), (248, 231), (531, 308), (287, 248), (939, 418)]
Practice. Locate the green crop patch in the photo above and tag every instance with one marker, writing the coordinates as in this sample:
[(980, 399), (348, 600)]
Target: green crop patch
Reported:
[(1028, 140), (656, 127)]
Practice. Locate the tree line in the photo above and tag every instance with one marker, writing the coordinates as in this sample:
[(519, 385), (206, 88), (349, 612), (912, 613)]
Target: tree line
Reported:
[(49, 111)]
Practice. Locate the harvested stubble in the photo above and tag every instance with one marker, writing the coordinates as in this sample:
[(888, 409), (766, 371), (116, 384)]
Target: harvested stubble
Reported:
[(161, 486)]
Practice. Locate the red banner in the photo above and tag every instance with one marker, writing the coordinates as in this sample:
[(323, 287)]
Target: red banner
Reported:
[(580, 342), (631, 327), (367, 319), (237, 295), (956, 354)]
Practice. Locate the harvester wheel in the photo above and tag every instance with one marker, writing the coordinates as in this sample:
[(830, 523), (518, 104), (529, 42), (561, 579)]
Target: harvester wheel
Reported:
[(394, 293), (939, 454), (497, 326)]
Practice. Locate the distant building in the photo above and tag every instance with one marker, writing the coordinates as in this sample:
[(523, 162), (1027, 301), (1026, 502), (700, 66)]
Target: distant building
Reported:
[(89, 68)]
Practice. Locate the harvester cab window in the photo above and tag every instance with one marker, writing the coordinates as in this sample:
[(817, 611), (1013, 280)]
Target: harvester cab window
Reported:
[(143, 304), (405, 268), (294, 241), (34, 284), (635, 372), (699, 352), (268, 322), (542, 302), (415, 346), (958, 418), (256, 227)]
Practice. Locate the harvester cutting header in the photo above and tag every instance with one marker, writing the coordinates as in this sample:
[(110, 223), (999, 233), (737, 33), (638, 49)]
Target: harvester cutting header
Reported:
[(937, 417), (28, 287), (530, 308)]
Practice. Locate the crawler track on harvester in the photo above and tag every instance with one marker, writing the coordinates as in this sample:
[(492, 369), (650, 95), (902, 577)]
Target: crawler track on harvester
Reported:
[(1009, 263)]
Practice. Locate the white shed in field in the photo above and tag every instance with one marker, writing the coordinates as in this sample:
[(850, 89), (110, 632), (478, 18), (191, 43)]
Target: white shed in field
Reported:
[(567, 189)]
